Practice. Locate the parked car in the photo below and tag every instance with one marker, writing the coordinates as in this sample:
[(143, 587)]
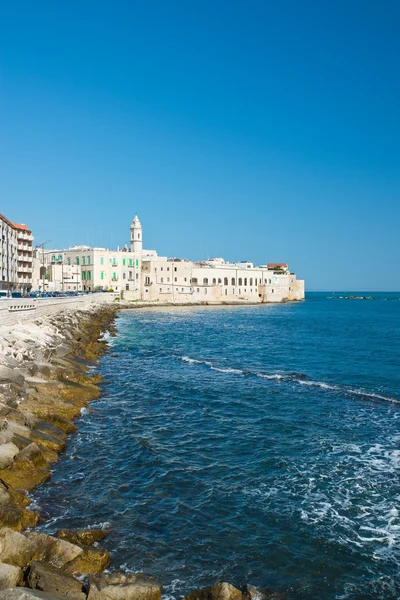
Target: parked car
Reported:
[(16, 295)]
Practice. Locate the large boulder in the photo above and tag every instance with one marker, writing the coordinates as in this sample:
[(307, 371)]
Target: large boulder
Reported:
[(10, 576), (91, 561), (24, 594), (7, 454), (219, 591), (48, 579), (17, 518), (86, 537), (15, 548), (124, 586), (56, 552)]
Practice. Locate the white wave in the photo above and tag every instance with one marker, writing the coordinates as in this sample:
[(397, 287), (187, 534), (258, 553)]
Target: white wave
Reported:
[(348, 390), (228, 370), (272, 376)]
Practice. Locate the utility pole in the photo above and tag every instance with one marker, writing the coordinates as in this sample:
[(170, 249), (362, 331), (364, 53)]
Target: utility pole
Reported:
[(42, 245)]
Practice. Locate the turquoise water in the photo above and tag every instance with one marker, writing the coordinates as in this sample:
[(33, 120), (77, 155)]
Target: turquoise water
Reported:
[(249, 444)]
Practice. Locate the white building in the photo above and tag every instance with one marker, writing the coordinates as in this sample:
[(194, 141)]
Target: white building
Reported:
[(142, 274)]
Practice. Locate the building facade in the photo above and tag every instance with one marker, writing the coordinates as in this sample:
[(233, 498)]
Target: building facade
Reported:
[(143, 275), (16, 256)]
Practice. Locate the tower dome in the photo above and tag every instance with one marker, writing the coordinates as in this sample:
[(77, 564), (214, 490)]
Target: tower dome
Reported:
[(136, 236)]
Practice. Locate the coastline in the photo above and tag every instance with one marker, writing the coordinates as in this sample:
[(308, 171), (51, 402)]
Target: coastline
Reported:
[(45, 384)]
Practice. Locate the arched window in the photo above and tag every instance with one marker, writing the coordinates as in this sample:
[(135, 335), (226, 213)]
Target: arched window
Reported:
[(205, 281), (255, 282), (251, 281), (194, 280), (214, 281), (225, 281), (245, 281), (219, 281), (240, 282), (233, 281)]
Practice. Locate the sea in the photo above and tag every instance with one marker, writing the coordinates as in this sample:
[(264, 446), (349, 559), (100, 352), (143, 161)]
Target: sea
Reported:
[(248, 444)]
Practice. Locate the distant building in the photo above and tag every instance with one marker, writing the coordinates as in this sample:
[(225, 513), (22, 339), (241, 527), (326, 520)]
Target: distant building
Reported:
[(142, 274), (16, 256)]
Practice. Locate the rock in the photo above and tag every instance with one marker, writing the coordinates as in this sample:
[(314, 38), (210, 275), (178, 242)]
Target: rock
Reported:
[(29, 468), (219, 591), (24, 594), (48, 579), (124, 586), (86, 537), (51, 550), (91, 561), (7, 454), (10, 576), (15, 548), (17, 518)]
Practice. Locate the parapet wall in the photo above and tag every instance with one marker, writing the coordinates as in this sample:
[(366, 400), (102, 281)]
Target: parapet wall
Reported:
[(14, 310)]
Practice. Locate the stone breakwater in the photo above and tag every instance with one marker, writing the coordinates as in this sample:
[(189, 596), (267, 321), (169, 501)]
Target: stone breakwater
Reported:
[(45, 381)]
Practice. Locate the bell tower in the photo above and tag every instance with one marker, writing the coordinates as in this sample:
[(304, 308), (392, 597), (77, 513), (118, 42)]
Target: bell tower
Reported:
[(136, 236)]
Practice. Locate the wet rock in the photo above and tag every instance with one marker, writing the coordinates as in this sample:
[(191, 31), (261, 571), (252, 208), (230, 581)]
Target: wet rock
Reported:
[(28, 469), (8, 452), (91, 561), (123, 586), (17, 518), (252, 593), (86, 537), (219, 591), (10, 576), (52, 550), (48, 579), (15, 548)]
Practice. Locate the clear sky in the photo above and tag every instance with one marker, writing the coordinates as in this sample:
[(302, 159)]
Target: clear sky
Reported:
[(258, 130)]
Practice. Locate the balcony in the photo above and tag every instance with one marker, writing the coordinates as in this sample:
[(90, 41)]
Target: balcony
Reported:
[(114, 278)]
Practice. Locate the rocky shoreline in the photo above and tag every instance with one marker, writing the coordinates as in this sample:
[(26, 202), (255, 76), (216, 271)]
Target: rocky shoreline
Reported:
[(46, 379)]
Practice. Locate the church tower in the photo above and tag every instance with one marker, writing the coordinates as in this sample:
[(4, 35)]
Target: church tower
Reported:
[(136, 236)]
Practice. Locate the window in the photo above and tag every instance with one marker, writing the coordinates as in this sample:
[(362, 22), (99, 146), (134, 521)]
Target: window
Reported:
[(53, 258), (130, 274), (114, 261), (185, 279), (240, 282), (114, 276), (102, 260), (175, 269), (194, 280), (214, 281), (225, 281), (88, 260), (226, 292), (137, 262), (162, 279), (233, 281), (255, 282), (101, 274), (77, 260), (68, 260), (205, 290), (269, 281), (124, 262), (175, 279), (83, 260), (251, 281), (89, 275), (182, 289), (198, 289), (219, 281), (130, 262), (83, 274), (205, 281), (272, 291), (138, 236), (162, 268), (167, 268), (168, 279), (124, 276), (245, 281), (160, 289), (127, 286)]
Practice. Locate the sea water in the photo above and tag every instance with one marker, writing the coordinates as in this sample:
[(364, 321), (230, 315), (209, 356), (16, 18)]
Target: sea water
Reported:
[(254, 444)]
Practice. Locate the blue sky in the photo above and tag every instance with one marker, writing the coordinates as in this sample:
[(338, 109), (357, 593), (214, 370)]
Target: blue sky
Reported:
[(264, 131)]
